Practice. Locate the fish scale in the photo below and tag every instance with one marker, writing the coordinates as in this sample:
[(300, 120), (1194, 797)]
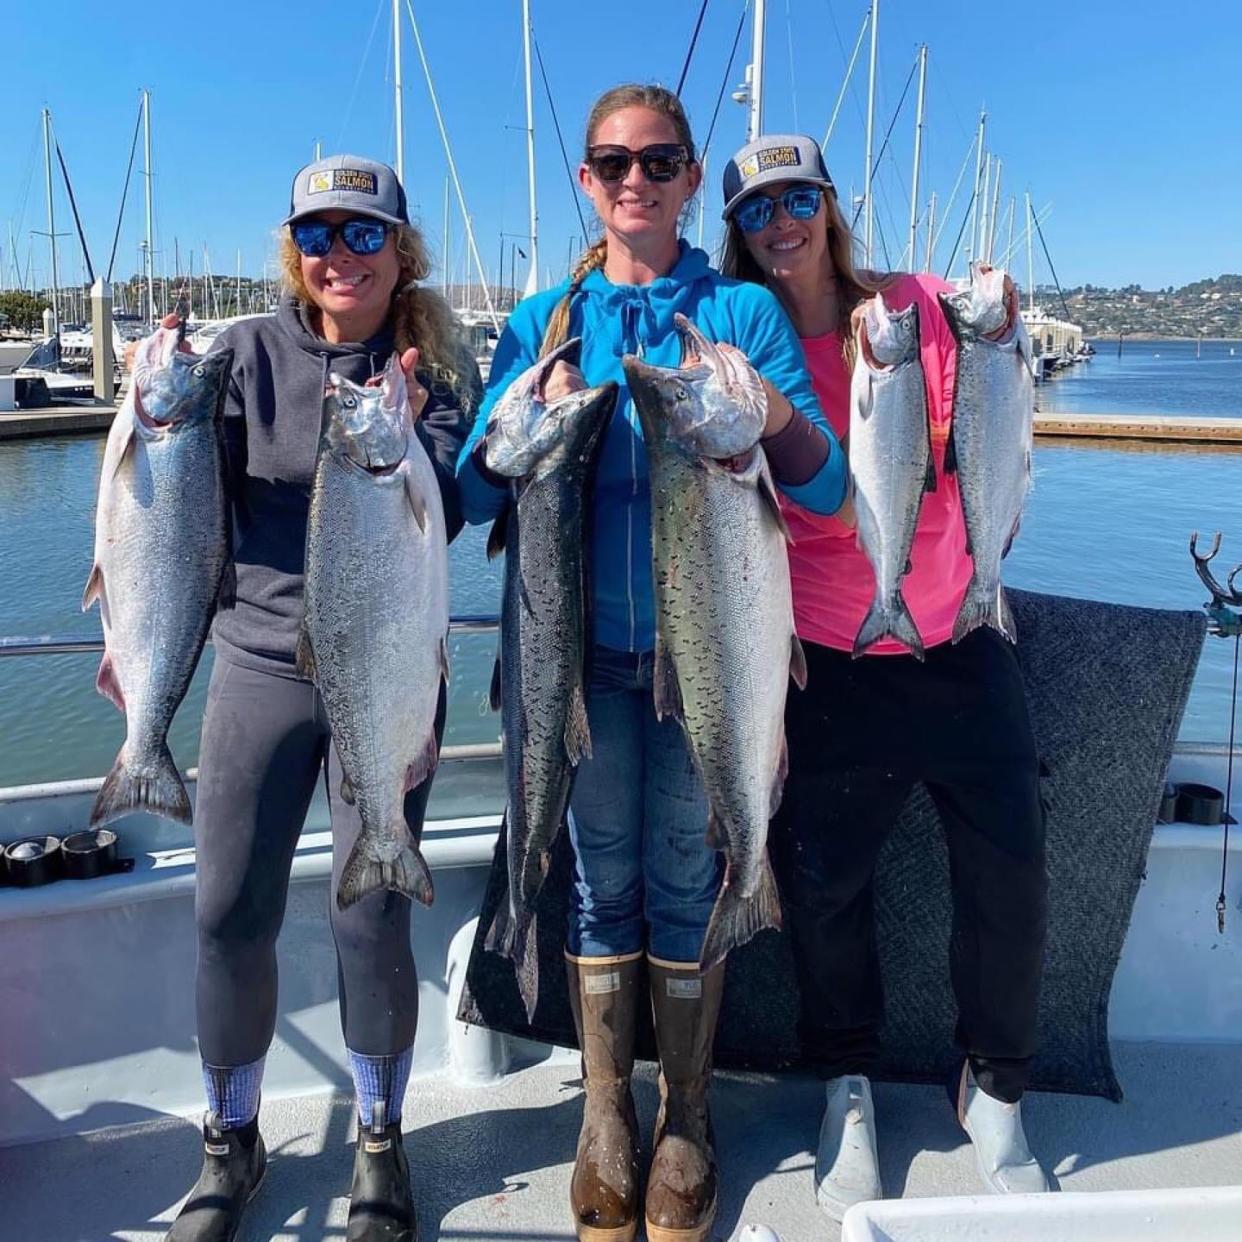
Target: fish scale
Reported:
[(989, 443), (545, 634), (162, 562), (890, 464), (725, 642), (374, 638)]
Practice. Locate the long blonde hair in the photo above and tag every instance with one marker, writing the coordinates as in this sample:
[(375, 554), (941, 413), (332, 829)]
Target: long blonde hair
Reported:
[(854, 283), (656, 99), (420, 317)]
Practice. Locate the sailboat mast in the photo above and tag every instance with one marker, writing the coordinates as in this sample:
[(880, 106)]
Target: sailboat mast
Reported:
[(150, 254), (1030, 258), (444, 265), (868, 215), (51, 220), (974, 198), (754, 123), (532, 277), (918, 151), (992, 214), (397, 104), (931, 231)]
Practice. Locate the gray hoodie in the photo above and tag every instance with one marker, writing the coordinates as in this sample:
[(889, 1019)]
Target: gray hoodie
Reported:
[(271, 433)]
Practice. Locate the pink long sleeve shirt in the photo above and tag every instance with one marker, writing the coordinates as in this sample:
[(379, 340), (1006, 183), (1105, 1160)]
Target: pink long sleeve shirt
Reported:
[(833, 583)]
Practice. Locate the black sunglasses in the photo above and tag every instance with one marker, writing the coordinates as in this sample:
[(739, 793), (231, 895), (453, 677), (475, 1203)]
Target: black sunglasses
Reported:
[(801, 202), (363, 236), (661, 161)]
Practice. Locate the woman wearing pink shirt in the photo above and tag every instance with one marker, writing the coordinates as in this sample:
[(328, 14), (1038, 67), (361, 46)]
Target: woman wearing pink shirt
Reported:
[(865, 730)]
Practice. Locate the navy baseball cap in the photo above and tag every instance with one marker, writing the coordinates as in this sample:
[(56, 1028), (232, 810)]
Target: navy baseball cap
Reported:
[(772, 158), (348, 183)]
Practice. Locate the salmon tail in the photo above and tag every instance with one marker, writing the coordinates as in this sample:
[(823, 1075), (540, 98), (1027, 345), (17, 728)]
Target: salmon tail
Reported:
[(984, 607), (736, 918), (407, 873), (889, 619), (515, 938), (158, 789)]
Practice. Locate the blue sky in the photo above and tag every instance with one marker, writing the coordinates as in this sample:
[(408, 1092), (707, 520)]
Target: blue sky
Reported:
[(1126, 117)]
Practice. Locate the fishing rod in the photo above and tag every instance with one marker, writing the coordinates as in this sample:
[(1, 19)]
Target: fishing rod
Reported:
[(1224, 612)]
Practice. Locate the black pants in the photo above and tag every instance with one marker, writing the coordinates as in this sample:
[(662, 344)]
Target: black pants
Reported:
[(265, 743), (859, 736)]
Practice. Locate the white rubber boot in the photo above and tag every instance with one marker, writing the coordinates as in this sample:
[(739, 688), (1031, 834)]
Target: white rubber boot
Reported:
[(1001, 1152), (847, 1170)]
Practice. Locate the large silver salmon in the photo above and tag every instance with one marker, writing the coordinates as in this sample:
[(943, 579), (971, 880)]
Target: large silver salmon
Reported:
[(540, 686), (375, 634), (890, 462), (162, 561), (725, 642), (989, 442)]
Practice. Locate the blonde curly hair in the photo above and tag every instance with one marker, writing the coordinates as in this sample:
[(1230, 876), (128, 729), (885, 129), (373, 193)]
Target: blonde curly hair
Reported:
[(421, 318)]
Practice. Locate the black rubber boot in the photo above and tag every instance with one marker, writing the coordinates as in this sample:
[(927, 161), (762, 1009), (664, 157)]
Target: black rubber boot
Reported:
[(234, 1162), (381, 1208)]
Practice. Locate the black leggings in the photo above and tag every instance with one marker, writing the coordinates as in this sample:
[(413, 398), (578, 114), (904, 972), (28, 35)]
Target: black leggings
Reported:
[(859, 736), (264, 742)]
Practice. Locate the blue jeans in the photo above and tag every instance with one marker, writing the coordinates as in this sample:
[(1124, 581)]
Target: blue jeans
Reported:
[(644, 875)]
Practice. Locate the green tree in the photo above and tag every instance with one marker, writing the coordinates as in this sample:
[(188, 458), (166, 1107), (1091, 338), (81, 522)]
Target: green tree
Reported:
[(23, 310)]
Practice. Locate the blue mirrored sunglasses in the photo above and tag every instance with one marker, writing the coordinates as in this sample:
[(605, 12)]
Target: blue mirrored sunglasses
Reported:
[(314, 238), (801, 202)]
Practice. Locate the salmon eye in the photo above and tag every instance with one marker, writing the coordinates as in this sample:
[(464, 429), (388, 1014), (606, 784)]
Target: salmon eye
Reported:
[(348, 402), (199, 372), (681, 394)]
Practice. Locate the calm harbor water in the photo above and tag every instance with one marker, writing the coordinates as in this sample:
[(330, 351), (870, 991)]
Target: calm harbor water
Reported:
[(1103, 522)]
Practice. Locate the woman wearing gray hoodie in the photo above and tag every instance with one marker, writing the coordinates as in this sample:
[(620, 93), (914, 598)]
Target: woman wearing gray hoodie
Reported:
[(351, 264)]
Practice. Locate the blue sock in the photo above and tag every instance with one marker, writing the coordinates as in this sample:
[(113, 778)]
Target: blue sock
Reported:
[(380, 1078), (233, 1092)]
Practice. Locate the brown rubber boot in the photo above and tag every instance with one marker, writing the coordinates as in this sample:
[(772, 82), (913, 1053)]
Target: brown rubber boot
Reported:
[(681, 1190), (603, 1193)]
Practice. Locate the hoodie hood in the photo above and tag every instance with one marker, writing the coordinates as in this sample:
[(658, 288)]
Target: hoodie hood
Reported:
[(645, 312), (291, 316)]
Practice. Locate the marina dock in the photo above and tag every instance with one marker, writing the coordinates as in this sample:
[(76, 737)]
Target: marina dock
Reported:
[(56, 420), (1166, 428)]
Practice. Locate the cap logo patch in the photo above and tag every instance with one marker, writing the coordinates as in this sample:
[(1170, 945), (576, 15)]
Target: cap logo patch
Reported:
[(777, 157), (355, 180)]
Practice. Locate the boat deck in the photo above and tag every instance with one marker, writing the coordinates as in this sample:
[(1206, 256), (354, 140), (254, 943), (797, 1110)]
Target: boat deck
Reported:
[(493, 1163)]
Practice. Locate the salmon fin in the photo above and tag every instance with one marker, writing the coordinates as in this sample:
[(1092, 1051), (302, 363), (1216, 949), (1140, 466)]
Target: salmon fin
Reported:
[(715, 836), (304, 657), (94, 587), (889, 619), (418, 506), (445, 663), (577, 727), (736, 918), (226, 595), (666, 686), (407, 874), (797, 662), (423, 765), (929, 476), (909, 569), (767, 493), (106, 682), (496, 536), (778, 781), (984, 607), (950, 452), (494, 694), (129, 440), (347, 791), (157, 789), (517, 940)]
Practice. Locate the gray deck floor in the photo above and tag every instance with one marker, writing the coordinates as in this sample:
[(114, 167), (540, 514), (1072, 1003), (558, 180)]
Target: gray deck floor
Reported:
[(494, 1164)]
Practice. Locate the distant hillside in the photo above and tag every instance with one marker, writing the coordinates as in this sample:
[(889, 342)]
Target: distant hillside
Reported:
[(1210, 308)]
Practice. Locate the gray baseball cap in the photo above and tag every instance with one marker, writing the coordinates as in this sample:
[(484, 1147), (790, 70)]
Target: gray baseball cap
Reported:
[(771, 158), (348, 183)]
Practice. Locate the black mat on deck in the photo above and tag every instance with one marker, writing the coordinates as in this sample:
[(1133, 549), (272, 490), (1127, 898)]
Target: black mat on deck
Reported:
[(1106, 685)]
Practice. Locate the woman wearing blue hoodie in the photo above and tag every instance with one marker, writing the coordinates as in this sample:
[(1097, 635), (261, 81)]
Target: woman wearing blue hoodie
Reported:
[(645, 878)]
